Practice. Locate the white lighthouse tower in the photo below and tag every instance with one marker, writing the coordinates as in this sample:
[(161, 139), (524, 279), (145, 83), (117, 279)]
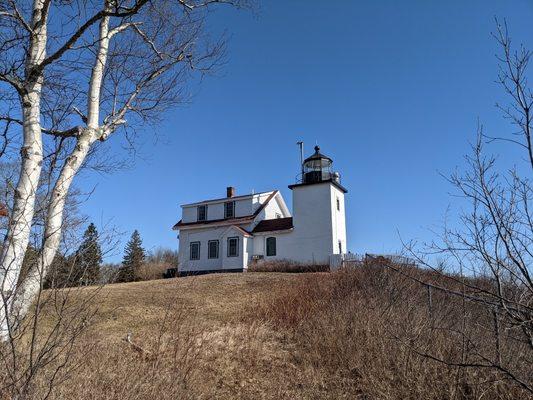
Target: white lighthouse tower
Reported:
[(319, 217)]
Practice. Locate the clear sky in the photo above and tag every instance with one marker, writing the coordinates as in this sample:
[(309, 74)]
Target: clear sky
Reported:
[(391, 90)]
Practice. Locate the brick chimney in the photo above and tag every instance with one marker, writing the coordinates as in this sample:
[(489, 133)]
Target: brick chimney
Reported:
[(3, 211), (230, 191)]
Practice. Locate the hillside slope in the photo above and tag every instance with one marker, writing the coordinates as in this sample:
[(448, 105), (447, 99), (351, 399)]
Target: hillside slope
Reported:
[(200, 331), (206, 300), (358, 333)]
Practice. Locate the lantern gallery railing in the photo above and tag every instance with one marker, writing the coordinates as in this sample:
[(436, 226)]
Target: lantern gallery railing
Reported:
[(318, 176)]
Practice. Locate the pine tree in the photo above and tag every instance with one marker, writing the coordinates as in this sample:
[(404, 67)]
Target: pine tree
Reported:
[(60, 272), (86, 269), (30, 261), (134, 255)]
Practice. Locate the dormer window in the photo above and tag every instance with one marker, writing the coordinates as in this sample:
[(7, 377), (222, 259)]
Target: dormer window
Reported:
[(202, 212), (229, 209)]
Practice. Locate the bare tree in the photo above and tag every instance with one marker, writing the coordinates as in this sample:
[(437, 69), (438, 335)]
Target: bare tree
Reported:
[(38, 354), (71, 82), (492, 249)]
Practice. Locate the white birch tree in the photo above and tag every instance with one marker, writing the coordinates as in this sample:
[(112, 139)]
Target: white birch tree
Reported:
[(72, 74)]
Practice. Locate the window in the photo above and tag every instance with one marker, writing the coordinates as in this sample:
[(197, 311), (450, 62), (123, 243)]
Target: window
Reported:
[(229, 209), (271, 246), (202, 212), (340, 247), (233, 247), (338, 204), (212, 249), (195, 250)]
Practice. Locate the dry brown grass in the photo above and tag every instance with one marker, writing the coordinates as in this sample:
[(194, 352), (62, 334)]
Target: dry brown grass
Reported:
[(197, 337), (286, 266), (370, 330), (343, 335)]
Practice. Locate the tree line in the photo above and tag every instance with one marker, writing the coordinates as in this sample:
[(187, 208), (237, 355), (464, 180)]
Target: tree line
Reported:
[(85, 266)]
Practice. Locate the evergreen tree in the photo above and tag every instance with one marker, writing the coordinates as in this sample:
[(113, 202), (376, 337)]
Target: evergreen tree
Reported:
[(58, 275), (30, 261), (60, 272), (86, 268), (134, 256)]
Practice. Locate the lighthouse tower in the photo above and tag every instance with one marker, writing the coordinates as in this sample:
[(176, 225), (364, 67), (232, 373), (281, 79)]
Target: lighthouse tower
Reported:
[(319, 218)]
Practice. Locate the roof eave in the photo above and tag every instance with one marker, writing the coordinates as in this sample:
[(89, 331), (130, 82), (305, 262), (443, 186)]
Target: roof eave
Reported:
[(234, 221), (336, 184), (194, 225), (225, 199), (271, 232)]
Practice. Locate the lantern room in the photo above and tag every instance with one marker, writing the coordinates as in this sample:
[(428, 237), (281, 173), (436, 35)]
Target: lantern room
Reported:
[(318, 168)]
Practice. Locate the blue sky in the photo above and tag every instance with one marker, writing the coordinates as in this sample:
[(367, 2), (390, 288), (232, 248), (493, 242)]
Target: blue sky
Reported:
[(392, 91)]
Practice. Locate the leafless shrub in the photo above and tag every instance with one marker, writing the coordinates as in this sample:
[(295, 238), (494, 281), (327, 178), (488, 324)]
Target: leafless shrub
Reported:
[(162, 255), (109, 272), (150, 271), (490, 249), (286, 266), (160, 364), (39, 355), (369, 326), (156, 264)]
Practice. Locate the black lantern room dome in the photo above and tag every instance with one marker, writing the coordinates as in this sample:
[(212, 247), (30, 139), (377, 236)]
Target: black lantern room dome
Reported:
[(318, 157), (317, 168)]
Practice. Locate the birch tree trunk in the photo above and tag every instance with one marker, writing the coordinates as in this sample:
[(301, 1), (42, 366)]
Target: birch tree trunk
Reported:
[(144, 80), (53, 228), (18, 234)]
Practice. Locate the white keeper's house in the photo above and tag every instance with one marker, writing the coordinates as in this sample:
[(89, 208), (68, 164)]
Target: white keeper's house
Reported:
[(228, 234)]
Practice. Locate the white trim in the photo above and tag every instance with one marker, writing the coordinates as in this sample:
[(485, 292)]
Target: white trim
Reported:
[(282, 204), (239, 231), (215, 224)]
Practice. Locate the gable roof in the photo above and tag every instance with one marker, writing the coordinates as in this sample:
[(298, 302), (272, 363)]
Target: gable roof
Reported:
[(271, 225), (240, 230), (228, 221)]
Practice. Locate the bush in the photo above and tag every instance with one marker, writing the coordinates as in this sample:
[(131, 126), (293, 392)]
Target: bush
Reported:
[(150, 271), (286, 266), (380, 333)]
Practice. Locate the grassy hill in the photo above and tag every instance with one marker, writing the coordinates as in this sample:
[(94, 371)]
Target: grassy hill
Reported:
[(222, 351), (207, 301), (354, 334)]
